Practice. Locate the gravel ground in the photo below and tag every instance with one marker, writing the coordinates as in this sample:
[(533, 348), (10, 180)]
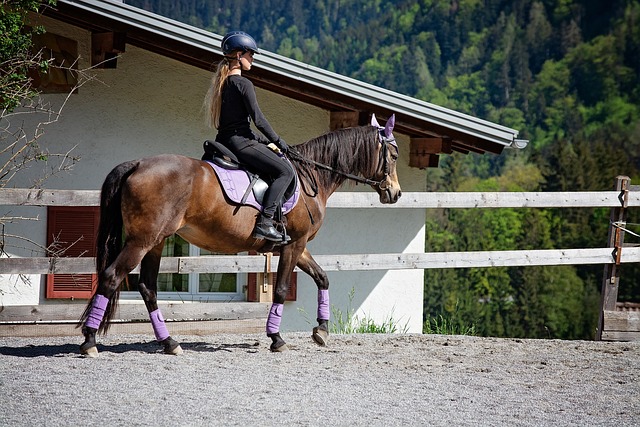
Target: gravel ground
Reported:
[(372, 380)]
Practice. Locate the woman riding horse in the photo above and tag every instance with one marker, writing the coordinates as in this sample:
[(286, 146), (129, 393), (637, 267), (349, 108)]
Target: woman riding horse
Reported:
[(230, 105)]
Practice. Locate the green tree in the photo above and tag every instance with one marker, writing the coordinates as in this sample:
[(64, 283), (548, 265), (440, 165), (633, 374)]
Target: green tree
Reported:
[(16, 56)]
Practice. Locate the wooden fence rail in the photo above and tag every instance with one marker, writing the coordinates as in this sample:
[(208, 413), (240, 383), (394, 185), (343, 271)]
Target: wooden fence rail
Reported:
[(415, 200), (344, 262)]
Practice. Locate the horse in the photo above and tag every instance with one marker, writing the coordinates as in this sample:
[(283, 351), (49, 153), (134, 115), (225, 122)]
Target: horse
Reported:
[(150, 199)]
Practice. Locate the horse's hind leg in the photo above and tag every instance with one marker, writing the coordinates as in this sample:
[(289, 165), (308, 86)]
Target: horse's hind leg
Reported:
[(311, 267), (105, 299), (148, 288)]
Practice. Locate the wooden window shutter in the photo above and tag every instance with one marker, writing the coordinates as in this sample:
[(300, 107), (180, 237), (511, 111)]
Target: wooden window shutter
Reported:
[(255, 280), (74, 229)]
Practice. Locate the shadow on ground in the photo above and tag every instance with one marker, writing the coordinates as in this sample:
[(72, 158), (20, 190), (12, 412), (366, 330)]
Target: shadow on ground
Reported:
[(65, 350)]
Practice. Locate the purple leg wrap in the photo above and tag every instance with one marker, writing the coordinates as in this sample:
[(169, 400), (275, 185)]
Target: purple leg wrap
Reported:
[(160, 329), (98, 307), (323, 304), (275, 316)]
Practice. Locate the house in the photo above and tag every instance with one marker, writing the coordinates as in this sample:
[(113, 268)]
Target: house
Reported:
[(151, 76)]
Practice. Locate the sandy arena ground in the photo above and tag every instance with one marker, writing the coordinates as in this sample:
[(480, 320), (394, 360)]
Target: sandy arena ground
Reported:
[(372, 380)]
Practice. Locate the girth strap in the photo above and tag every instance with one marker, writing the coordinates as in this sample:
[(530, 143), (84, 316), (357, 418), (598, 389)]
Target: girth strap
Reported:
[(254, 179)]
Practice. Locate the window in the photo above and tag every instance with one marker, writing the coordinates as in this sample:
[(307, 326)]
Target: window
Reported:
[(191, 287)]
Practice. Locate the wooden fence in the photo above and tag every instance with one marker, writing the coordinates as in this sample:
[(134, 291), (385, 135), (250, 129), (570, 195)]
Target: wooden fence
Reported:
[(612, 325)]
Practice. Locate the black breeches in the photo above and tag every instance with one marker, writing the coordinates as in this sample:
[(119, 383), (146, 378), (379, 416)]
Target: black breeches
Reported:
[(269, 165)]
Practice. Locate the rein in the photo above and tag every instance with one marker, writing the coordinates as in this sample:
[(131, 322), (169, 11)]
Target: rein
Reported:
[(294, 155)]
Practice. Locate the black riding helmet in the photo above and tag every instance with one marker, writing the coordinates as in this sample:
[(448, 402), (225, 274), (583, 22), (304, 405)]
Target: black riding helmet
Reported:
[(238, 40)]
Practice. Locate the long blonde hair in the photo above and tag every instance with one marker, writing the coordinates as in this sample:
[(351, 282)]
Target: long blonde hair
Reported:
[(213, 99)]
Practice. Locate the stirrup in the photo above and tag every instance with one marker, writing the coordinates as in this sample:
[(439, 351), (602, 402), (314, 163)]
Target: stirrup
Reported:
[(285, 239), (285, 236), (280, 227)]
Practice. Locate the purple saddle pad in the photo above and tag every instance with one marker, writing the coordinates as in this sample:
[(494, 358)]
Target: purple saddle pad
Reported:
[(235, 183)]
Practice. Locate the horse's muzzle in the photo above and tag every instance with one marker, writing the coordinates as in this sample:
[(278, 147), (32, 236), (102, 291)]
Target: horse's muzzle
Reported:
[(389, 195)]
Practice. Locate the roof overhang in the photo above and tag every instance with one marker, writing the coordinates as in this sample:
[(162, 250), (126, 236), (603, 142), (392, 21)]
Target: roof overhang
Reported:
[(288, 77)]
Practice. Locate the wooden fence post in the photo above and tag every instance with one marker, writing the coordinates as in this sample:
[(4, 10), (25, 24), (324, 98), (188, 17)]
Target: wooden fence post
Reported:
[(615, 239)]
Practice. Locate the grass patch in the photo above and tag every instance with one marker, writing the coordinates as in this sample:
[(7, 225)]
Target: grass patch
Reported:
[(348, 322), (446, 326)]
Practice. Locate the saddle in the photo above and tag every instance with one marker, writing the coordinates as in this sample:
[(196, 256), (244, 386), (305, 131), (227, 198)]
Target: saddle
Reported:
[(240, 184)]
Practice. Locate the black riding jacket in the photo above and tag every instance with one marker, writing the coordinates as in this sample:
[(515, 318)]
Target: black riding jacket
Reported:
[(239, 107)]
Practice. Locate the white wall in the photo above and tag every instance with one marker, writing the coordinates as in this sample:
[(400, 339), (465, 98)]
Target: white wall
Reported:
[(16, 289), (377, 294), (151, 104)]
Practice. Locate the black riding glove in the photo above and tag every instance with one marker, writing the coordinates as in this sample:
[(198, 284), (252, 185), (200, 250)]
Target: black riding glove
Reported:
[(282, 145)]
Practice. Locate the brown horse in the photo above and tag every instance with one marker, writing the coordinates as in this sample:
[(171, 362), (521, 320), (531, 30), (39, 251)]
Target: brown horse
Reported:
[(153, 198)]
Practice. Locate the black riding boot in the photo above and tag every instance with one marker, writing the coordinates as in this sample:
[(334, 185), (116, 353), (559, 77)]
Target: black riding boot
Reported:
[(265, 230)]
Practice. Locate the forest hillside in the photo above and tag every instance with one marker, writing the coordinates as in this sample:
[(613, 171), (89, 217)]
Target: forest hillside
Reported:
[(566, 73)]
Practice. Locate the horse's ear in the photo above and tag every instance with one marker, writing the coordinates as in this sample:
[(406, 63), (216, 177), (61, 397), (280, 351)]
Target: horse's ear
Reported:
[(374, 121), (388, 129)]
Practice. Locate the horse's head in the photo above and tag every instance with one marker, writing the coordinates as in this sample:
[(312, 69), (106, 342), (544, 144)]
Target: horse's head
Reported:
[(387, 186)]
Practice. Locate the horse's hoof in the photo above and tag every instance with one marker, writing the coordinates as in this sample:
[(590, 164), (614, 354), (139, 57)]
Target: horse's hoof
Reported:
[(279, 348), (277, 345), (320, 336), (176, 351), (91, 352), (171, 346)]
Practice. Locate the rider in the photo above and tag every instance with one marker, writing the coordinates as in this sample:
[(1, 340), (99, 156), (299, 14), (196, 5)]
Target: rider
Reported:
[(230, 106)]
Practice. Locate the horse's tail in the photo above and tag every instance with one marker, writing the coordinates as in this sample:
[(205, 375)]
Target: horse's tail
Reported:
[(109, 241)]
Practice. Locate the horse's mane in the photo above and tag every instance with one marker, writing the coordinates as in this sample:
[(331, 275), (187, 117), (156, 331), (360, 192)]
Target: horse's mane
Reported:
[(350, 150)]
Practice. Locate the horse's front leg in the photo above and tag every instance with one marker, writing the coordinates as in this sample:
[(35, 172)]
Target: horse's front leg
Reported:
[(288, 257), (147, 286), (311, 267)]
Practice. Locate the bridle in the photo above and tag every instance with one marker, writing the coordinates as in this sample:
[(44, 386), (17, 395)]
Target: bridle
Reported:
[(383, 184)]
